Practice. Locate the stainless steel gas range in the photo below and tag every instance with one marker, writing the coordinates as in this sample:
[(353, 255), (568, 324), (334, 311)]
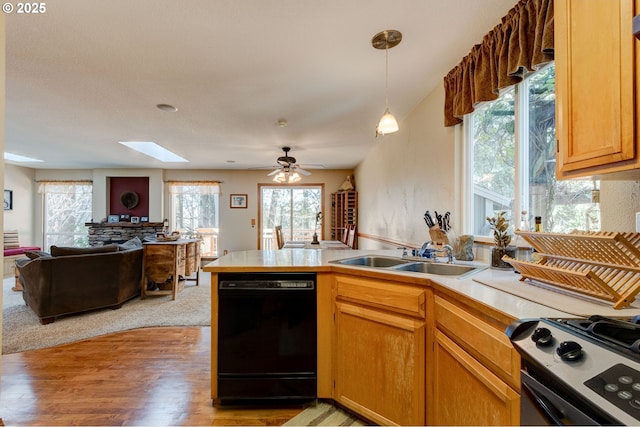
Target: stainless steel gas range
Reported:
[(583, 371)]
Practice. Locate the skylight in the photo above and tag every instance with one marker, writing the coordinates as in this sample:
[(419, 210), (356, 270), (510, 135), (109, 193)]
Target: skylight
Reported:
[(21, 159), (152, 149)]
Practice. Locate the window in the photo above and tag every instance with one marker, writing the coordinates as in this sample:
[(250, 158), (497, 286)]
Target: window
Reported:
[(512, 157), (195, 212), (292, 207), (67, 208)]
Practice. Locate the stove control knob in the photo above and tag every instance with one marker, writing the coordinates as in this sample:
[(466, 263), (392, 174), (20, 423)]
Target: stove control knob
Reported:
[(542, 336), (569, 351)]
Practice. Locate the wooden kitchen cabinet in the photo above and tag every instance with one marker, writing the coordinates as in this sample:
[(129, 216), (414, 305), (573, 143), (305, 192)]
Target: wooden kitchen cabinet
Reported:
[(596, 61), (379, 357), (474, 371)]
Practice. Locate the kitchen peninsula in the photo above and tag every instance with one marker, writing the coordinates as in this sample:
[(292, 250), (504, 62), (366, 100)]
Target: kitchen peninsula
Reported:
[(410, 348)]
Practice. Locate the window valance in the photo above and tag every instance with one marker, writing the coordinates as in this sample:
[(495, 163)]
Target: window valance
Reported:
[(520, 44), (194, 187)]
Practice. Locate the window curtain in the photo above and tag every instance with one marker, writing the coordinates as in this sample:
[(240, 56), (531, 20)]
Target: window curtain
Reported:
[(64, 187), (520, 44), (202, 188)]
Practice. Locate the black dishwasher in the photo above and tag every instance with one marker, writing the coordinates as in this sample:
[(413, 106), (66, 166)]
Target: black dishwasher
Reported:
[(267, 347)]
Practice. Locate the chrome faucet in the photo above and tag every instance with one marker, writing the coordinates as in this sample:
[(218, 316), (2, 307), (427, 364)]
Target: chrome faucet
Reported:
[(449, 250)]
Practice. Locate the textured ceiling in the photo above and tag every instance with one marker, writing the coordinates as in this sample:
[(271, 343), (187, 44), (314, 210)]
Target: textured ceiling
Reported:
[(89, 73)]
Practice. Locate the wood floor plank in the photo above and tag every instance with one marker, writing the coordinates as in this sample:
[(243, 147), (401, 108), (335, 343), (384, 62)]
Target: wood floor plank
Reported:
[(150, 376)]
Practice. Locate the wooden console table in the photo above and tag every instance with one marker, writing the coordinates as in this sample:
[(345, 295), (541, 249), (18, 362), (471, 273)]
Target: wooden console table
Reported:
[(165, 263)]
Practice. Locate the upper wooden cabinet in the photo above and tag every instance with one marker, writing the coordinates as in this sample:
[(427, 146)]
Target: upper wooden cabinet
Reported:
[(596, 59)]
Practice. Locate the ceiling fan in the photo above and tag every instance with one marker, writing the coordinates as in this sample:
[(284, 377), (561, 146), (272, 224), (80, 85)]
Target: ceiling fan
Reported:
[(287, 171)]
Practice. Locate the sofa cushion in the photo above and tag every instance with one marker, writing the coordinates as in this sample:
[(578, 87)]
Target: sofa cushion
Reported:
[(130, 244), (37, 254), (57, 251)]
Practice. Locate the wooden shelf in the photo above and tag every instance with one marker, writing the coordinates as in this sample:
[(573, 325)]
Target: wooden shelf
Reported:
[(603, 265)]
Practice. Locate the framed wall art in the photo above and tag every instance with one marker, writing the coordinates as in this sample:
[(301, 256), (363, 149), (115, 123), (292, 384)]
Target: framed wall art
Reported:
[(113, 218), (8, 200), (135, 220), (238, 201)]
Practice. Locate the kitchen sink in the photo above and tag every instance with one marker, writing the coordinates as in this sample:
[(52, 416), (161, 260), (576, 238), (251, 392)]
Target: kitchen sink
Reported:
[(399, 264), (439, 269), (372, 261)]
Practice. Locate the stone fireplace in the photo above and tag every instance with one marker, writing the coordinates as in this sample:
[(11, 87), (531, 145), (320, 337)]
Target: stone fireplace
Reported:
[(104, 233)]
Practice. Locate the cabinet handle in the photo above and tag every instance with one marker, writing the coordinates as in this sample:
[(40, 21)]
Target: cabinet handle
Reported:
[(636, 26)]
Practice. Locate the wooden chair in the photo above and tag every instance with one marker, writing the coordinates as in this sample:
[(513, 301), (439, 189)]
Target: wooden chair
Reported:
[(352, 241), (279, 236), (345, 234)]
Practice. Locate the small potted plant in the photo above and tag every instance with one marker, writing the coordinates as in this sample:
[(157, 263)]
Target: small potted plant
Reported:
[(315, 229), (502, 237)]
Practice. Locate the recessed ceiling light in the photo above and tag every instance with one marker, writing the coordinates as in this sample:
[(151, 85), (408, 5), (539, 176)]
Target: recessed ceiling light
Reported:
[(283, 123), (152, 149), (21, 159), (231, 161), (168, 108)]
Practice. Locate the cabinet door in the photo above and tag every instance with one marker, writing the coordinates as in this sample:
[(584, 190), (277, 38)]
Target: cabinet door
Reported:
[(594, 59), (379, 364), (467, 393)]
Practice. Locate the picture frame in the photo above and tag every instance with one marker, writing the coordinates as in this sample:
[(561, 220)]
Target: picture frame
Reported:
[(238, 201), (125, 217), (144, 219), (8, 200), (135, 220), (113, 218)]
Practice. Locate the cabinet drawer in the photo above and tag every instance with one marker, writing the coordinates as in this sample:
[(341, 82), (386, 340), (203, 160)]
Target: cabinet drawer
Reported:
[(487, 344), (390, 296)]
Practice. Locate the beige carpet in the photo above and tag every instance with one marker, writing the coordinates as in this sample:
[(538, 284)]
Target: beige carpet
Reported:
[(324, 414), (22, 331)]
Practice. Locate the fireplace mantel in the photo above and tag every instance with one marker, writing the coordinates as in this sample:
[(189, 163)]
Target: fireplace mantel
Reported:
[(104, 233)]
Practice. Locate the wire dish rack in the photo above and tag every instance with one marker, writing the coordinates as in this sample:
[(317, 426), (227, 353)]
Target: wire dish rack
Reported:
[(603, 265)]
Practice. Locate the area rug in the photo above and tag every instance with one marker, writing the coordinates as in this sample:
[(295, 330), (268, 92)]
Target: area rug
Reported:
[(22, 331), (324, 414)]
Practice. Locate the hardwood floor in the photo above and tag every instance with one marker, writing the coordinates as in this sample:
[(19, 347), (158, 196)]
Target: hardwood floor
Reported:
[(151, 376)]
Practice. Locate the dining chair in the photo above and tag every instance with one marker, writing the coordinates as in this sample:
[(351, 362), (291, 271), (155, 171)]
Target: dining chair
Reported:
[(352, 241), (279, 236), (345, 234)]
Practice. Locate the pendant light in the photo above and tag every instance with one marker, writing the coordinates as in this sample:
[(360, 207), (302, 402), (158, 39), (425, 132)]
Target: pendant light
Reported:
[(386, 40)]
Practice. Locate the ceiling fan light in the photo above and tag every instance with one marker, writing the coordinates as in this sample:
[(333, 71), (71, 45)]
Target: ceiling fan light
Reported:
[(387, 124), (294, 177), (280, 177)]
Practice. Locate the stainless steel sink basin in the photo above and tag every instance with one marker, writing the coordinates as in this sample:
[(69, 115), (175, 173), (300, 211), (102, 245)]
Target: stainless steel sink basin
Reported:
[(439, 269), (372, 261), (399, 264)]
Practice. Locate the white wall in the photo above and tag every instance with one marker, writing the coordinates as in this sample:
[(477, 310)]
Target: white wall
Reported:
[(22, 217), (235, 224), (404, 175)]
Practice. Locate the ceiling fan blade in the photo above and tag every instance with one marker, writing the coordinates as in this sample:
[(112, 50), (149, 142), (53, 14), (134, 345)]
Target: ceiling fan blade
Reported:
[(273, 172), (303, 172)]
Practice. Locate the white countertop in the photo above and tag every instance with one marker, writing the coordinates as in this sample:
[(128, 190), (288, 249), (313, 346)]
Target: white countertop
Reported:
[(499, 289)]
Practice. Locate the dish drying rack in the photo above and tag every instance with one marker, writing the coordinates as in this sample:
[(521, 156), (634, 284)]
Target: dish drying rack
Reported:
[(603, 265)]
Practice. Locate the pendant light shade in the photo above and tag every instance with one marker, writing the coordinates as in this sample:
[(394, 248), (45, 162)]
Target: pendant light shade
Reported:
[(387, 124), (386, 40)]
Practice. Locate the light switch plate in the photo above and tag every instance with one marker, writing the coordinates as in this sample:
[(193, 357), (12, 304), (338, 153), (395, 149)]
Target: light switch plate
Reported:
[(637, 222)]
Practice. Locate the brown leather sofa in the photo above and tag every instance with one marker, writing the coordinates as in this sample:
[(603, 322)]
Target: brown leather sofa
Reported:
[(75, 280)]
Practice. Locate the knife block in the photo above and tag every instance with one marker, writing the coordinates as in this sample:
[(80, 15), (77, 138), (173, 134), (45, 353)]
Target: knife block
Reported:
[(438, 236)]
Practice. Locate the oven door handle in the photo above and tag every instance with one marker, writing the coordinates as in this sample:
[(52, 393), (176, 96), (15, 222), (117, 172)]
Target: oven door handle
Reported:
[(554, 414)]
